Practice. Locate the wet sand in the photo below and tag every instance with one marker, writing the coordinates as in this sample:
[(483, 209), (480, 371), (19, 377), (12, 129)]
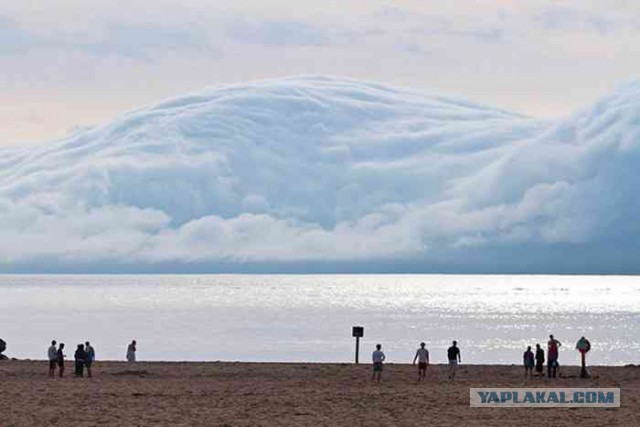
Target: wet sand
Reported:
[(186, 394)]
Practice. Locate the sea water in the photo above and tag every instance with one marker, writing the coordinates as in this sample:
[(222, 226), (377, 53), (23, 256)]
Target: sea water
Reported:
[(308, 318)]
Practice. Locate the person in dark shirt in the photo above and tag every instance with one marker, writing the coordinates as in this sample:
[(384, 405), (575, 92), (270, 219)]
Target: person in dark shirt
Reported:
[(80, 357), (528, 359), (3, 347), (539, 360), (453, 354), (60, 359)]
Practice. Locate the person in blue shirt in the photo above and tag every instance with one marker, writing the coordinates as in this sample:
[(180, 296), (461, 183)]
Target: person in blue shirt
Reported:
[(91, 357)]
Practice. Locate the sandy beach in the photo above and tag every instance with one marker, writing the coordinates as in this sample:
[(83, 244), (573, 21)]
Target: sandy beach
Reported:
[(216, 393)]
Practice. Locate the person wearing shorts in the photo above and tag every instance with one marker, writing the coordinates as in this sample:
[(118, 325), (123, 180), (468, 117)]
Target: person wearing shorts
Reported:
[(529, 362), (52, 354), (422, 356), (453, 354), (378, 358)]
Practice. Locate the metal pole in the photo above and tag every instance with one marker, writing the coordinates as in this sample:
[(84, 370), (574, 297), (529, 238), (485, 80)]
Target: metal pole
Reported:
[(357, 349)]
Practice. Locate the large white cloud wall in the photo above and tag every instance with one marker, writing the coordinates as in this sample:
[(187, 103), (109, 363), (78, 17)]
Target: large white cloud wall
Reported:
[(321, 169)]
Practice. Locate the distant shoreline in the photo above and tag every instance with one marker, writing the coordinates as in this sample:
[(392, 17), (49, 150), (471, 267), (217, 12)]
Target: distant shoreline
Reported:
[(234, 362)]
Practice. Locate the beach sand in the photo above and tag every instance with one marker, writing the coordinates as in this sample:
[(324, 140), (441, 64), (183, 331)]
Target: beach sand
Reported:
[(186, 394)]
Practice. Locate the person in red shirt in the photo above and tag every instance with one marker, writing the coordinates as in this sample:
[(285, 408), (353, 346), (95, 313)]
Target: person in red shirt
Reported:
[(552, 356)]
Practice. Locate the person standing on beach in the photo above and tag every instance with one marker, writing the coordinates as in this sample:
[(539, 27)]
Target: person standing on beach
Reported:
[(453, 354), (80, 357), (539, 360), (422, 355), (60, 359), (91, 357), (52, 355), (583, 346), (378, 358), (552, 356), (529, 362), (131, 351)]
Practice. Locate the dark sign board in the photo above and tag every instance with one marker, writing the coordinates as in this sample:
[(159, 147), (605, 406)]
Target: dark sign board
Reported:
[(358, 331)]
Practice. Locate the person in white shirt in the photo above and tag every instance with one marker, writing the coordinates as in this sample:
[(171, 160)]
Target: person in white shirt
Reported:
[(422, 356), (377, 357), (52, 355)]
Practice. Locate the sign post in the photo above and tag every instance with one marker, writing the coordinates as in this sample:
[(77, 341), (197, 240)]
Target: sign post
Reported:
[(357, 332)]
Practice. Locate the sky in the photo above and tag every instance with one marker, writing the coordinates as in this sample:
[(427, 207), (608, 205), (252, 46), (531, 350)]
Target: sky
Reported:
[(69, 64), (408, 136)]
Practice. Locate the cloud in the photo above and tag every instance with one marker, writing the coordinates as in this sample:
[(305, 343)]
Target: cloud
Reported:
[(414, 49), (283, 33), (14, 39), (567, 18), (92, 57), (324, 170), (134, 40), (142, 41)]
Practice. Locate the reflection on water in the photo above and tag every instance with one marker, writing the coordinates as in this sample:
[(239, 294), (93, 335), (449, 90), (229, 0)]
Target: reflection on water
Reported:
[(309, 318)]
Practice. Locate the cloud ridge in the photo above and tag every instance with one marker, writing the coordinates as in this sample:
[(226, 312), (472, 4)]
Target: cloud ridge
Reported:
[(320, 169)]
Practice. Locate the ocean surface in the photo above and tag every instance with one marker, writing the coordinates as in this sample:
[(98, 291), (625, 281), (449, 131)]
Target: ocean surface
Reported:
[(308, 318)]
